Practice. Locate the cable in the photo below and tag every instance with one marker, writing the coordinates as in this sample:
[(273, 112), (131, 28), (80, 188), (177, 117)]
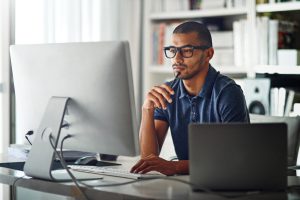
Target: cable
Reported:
[(204, 189), (61, 146), (63, 163), (125, 183), (26, 136), (141, 180)]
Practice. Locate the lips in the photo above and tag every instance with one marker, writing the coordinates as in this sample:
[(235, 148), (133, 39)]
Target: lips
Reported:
[(179, 67)]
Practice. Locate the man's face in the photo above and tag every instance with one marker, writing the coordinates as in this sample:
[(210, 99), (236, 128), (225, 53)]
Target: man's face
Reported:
[(189, 67)]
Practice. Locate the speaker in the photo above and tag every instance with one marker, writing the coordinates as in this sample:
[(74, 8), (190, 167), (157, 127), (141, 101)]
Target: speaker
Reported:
[(257, 94)]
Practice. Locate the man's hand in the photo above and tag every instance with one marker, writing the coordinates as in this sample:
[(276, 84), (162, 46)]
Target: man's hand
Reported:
[(158, 97), (154, 163)]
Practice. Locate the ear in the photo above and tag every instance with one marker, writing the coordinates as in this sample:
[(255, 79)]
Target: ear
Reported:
[(209, 54)]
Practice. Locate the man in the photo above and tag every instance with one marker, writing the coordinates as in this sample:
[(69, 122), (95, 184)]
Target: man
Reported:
[(199, 94)]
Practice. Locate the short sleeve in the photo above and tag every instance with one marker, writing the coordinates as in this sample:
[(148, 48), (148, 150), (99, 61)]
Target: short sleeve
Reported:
[(160, 114), (232, 105)]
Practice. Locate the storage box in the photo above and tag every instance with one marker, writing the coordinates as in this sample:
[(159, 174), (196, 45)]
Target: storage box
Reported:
[(222, 39), (222, 57), (288, 57)]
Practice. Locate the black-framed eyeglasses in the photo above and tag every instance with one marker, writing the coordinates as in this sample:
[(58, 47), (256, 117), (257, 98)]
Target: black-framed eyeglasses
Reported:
[(186, 51)]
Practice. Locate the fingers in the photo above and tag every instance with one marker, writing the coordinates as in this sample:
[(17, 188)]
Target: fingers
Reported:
[(168, 88), (155, 100), (158, 165), (141, 164), (160, 95), (164, 92), (158, 99), (149, 169), (144, 168), (152, 163), (136, 166)]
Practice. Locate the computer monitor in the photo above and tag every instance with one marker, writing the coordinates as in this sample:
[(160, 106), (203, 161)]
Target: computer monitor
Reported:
[(293, 126), (87, 86)]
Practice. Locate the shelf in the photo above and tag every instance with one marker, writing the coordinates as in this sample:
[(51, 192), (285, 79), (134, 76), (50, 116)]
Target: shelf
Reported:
[(275, 69), (278, 7), (231, 70), (198, 13), (224, 70), (262, 69)]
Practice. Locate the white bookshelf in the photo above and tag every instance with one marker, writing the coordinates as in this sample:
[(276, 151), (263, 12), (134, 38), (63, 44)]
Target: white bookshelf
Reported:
[(157, 74), (278, 7), (224, 70), (275, 69), (192, 14), (154, 74), (232, 70)]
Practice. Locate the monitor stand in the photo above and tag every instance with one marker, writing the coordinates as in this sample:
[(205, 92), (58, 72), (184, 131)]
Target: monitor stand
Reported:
[(42, 155)]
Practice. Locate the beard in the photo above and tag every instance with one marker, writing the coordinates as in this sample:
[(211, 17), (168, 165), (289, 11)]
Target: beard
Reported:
[(195, 72), (190, 75)]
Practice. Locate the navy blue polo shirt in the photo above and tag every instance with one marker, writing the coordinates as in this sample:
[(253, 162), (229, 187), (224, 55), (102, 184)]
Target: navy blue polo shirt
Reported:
[(220, 100)]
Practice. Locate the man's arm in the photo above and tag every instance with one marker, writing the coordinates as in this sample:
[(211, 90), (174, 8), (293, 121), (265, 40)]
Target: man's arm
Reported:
[(152, 136), (152, 133)]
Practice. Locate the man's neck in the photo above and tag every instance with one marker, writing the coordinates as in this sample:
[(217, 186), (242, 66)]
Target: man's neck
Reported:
[(195, 84)]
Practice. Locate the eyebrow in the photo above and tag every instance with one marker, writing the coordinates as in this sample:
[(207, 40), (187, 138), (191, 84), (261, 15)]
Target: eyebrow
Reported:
[(183, 45)]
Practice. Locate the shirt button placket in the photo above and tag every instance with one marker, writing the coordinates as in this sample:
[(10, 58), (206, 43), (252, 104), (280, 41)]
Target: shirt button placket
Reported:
[(194, 118)]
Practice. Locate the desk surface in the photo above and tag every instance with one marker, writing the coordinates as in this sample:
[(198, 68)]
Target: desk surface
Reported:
[(151, 189)]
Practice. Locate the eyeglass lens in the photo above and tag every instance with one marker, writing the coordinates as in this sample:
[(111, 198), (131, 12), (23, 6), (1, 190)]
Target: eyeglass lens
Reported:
[(185, 52)]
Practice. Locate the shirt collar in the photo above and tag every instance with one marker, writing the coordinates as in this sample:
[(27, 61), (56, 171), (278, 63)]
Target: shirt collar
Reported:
[(207, 87)]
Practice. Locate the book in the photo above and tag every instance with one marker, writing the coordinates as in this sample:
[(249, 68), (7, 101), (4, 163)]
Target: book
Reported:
[(222, 57), (274, 93), (222, 39), (281, 101), (212, 4), (273, 42), (289, 102), (155, 35), (237, 43), (262, 40)]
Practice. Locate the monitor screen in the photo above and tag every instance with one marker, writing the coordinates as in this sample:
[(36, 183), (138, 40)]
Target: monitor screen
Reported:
[(97, 78), (293, 130)]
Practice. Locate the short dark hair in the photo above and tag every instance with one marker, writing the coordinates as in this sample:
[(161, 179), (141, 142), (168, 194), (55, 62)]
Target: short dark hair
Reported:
[(198, 27)]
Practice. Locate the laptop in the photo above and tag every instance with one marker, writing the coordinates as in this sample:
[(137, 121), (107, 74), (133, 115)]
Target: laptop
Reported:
[(238, 157)]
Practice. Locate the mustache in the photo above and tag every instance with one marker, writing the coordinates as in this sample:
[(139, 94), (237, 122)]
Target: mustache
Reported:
[(179, 65)]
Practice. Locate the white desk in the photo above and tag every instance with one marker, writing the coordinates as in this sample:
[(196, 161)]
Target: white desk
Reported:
[(153, 189)]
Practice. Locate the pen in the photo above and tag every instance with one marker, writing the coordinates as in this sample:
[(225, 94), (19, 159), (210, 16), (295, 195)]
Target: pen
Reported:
[(176, 76)]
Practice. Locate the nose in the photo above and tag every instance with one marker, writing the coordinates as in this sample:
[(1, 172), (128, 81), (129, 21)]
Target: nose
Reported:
[(178, 59)]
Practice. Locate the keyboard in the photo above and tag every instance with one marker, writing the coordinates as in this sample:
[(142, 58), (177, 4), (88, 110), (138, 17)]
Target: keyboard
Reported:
[(109, 171)]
